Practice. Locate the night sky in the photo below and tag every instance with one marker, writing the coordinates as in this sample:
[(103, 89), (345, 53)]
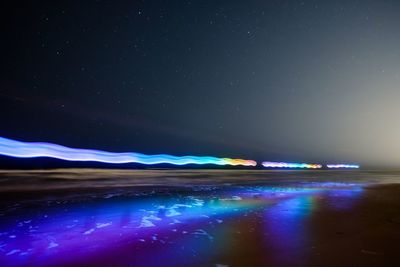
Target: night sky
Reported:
[(309, 81)]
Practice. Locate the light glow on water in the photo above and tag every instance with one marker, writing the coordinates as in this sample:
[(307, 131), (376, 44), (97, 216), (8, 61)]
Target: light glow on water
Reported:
[(147, 227)]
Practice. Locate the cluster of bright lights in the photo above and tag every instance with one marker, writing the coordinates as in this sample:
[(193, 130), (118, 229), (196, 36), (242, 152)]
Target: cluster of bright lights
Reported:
[(19, 149), (269, 164), (339, 166)]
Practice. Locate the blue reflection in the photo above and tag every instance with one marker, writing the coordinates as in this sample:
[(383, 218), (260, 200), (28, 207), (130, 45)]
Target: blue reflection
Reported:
[(284, 222), (186, 226)]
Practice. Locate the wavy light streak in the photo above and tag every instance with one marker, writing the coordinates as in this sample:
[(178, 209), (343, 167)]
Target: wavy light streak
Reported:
[(19, 149), (269, 164), (339, 166)]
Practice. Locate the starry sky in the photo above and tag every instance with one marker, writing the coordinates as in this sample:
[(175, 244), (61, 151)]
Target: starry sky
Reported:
[(309, 81)]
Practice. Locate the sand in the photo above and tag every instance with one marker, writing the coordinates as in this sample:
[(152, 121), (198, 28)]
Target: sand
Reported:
[(199, 218)]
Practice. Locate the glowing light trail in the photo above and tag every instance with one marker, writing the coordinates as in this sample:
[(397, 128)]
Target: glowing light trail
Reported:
[(19, 149), (269, 164), (347, 166)]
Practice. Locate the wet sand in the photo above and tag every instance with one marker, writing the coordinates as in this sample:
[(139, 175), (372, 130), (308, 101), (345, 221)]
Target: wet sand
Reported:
[(365, 233), (199, 218)]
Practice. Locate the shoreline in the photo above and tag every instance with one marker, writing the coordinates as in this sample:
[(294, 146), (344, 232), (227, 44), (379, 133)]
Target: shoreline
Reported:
[(247, 220)]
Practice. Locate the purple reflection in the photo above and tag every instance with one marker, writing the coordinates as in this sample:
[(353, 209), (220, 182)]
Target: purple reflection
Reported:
[(185, 226), (343, 199), (285, 225), (287, 230), (56, 230)]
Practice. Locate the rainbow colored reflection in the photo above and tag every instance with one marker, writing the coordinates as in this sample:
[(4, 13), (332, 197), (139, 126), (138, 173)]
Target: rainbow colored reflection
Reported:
[(19, 149), (269, 164), (146, 226), (339, 166)]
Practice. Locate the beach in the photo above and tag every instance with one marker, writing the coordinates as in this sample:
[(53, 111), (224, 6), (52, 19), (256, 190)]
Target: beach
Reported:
[(92, 217)]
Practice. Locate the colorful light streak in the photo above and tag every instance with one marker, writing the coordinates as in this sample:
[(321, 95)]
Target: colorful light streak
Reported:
[(346, 166), (19, 149), (269, 164)]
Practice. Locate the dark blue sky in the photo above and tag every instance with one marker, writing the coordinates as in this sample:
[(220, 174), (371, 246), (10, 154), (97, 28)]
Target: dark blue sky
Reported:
[(270, 80)]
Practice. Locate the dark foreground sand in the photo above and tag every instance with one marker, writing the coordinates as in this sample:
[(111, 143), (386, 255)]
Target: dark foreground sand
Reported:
[(365, 234), (199, 218)]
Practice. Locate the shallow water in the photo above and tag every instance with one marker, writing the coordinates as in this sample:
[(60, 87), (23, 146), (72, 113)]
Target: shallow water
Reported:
[(168, 217)]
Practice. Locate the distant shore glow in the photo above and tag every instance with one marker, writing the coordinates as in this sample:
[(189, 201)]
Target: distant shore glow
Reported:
[(269, 164), (339, 166), (19, 149)]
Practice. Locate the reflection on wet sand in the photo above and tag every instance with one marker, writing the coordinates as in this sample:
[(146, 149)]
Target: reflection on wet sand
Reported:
[(202, 225)]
